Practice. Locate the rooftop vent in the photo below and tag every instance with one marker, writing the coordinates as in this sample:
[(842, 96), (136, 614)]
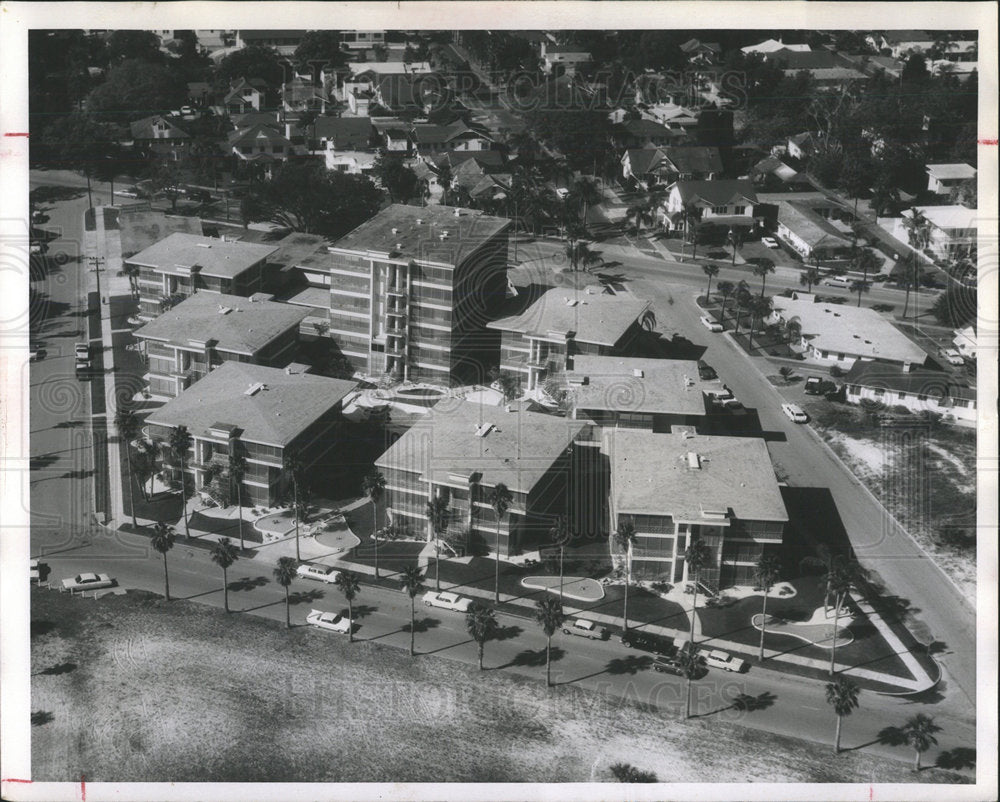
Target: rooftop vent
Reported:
[(204, 244), (255, 388), (571, 301), (395, 230), (225, 310), (638, 373), (484, 429), (443, 235), (399, 246), (457, 212), (693, 460), (420, 221)]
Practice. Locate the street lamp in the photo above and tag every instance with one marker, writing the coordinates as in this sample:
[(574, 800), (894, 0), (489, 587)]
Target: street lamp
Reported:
[(96, 262)]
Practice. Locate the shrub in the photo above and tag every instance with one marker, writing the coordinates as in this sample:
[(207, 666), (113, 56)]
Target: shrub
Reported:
[(836, 371)]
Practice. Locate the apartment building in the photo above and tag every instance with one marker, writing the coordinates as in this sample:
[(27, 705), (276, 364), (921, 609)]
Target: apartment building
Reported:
[(679, 486), (413, 288), (181, 265), (916, 390)]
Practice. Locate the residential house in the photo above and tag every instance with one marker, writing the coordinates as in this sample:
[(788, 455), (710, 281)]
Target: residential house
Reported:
[(260, 413), (284, 41), (344, 142), (261, 146), (670, 164), (699, 52), (951, 230), (393, 134), (183, 264), (564, 59), (301, 94), (801, 146), (916, 390), (673, 488), (727, 202), (245, 96), (809, 230), (413, 288), (840, 334), (205, 330), (461, 451), (411, 94), (965, 342), (643, 133), (162, 136), (362, 40), (429, 139), (943, 178), (902, 43), (671, 89), (773, 45), (542, 340), (770, 174), (676, 118)]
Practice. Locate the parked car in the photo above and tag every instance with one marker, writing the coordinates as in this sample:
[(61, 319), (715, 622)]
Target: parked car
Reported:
[(837, 281), (322, 573), (711, 323), (128, 192), (82, 368), (648, 642), (951, 356), (668, 665), (769, 242), (795, 413), (187, 110), (723, 398), (706, 372), (586, 629), (814, 385), (36, 352), (334, 622), (87, 582), (720, 659), (447, 601), (82, 351)]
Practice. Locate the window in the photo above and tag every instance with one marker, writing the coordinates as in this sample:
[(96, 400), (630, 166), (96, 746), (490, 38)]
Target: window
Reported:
[(878, 391), (900, 395), (246, 150), (740, 210), (719, 209), (921, 397), (279, 148)]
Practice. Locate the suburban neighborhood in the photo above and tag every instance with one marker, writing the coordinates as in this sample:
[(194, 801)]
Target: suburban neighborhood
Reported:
[(369, 365)]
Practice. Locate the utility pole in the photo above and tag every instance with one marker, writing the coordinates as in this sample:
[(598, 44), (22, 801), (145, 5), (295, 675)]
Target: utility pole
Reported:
[(96, 262)]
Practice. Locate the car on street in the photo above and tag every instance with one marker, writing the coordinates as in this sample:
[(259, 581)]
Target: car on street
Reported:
[(725, 661), (562, 193), (87, 581), (186, 110), (447, 601), (951, 356), (710, 323), (321, 573), (128, 192), (82, 351), (586, 629), (837, 281), (82, 368), (706, 372), (648, 642), (769, 242), (795, 413), (668, 665), (334, 622), (36, 352)]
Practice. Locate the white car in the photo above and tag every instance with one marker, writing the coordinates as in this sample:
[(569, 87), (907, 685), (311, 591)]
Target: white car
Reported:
[(447, 601), (82, 351), (88, 582), (127, 192), (586, 629), (795, 413), (710, 323), (723, 398), (335, 622), (951, 356), (35, 569), (562, 193), (322, 573), (769, 242), (718, 659)]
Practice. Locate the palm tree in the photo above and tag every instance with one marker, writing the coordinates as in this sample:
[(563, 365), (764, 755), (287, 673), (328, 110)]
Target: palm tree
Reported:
[(742, 300), (163, 541), (760, 308), (549, 615), (284, 573), (860, 287), (438, 515), (625, 538), (793, 329), (690, 661), (842, 695), (711, 271), (373, 486), (761, 268), (696, 557), (765, 574), (692, 218), (919, 733), (842, 578), (865, 260), (444, 179), (224, 554), (641, 213), (293, 465), (412, 580), (910, 280), (237, 470), (725, 289), (809, 277), (127, 425), (500, 500), (350, 585), (481, 621), (180, 442), (579, 253)]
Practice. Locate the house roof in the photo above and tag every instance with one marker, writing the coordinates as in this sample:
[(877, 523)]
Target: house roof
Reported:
[(456, 158), (951, 171), (899, 37), (143, 129), (272, 33), (288, 404), (694, 45), (642, 160), (694, 159), (388, 67), (428, 134), (720, 192), (808, 226), (805, 138), (797, 60), (643, 128), (258, 133), (832, 73), (563, 312), (771, 45), (947, 217), (466, 230), (518, 450), (179, 253), (729, 475), (236, 324), (933, 383), (347, 133), (845, 329), (243, 87), (772, 165), (650, 386), (252, 118), (295, 247)]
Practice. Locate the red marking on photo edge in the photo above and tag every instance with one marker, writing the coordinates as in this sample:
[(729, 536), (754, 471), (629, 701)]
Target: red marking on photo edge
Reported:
[(14, 780), (988, 141), (15, 133), (83, 788)]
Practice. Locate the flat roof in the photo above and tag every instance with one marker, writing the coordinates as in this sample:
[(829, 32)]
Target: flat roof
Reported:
[(847, 329), (396, 231), (622, 384), (518, 450), (295, 247), (598, 318), (179, 252), (951, 171), (947, 217), (652, 474), (287, 405), (236, 324)]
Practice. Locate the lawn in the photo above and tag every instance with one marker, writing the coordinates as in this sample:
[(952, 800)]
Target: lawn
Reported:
[(135, 689), (230, 527)]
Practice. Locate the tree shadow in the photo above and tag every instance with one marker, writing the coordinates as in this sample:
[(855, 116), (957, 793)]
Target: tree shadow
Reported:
[(77, 474), (42, 461), (628, 665), (57, 670), (364, 610), (41, 627), (508, 633), (532, 658), (421, 625), (307, 596), (891, 736), (41, 717), (248, 583), (961, 757), (748, 703), (937, 647)]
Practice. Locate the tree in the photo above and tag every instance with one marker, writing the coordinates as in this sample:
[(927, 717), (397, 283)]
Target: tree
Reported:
[(640, 213), (865, 260), (586, 191), (136, 88), (726, 290), (625, 539), (956, 307), (373, 486), (412, 580), (842, 577), (127, 425), (292, 465), (237, 470), (766, 572), (510, 385), (842, 695), (350, 585), (691, 214), (180, 443), (697, 556), (163, 541), (142, 45), (481, 622), (690, 662), (743, 299), (860, 287), (579, 253), (627, 773), (919, 734), (284, 573), (500, 500), (760, 269), (396, 178), (809, 277), (444, 179), (438, 515), (915, 69), (909, 280), (855, 178), (224, 554), (760, 308), (549, 615), (249, 62), (319, 49), (711, 271), (885, 198), (560, 535)]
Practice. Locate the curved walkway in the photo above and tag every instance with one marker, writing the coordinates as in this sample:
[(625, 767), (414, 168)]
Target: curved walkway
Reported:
[(574, 587)]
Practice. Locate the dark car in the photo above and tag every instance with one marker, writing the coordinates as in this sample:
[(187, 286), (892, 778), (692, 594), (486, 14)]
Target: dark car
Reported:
[(648, 642), (668, 665), (814, 385), (706, 371)]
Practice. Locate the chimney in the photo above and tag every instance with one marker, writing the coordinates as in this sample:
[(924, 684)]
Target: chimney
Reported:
[(907, 367)]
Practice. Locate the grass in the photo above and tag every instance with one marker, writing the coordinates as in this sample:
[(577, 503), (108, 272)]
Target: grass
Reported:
[(137, 689)]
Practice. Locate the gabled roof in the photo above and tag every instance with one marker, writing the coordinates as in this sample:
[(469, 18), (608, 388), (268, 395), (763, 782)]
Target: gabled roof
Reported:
[(695, 45), (643, 160), (645, 128), (771, 45), (258, 133), (720, 192), (796, 60), (179, 253), (803, 139), (252, 118), (484, 158), (143, 129), (693, 159), (347, 133), (899, 37), (242, 88), (773, 166), (810, 227)]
